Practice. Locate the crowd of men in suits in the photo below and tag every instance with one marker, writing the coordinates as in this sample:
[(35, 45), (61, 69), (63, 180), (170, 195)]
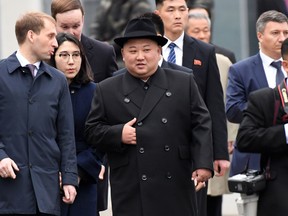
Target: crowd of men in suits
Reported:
[(161, 121)]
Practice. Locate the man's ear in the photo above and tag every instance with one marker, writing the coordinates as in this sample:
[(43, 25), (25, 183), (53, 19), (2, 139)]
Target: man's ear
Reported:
[(30, 35), (259, 36)]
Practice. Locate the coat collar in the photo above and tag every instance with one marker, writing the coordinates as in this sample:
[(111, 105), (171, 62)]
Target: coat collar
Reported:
[(259, 71), (189, 51), (87, 44), (13, 64), (158, 86)]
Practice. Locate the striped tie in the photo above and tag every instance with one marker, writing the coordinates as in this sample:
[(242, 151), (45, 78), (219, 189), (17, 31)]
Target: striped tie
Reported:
[(172, 56)]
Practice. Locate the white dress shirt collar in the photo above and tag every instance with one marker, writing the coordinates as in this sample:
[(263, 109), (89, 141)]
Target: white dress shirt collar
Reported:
[(24, 62), (178, 49)]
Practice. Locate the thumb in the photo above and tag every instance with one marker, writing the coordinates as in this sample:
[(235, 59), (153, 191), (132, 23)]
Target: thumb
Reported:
[(67, 194), (194, 175), (132, 122), (14, 165)]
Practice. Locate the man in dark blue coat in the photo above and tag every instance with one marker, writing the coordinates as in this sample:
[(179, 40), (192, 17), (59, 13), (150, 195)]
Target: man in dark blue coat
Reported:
[(36, 118)]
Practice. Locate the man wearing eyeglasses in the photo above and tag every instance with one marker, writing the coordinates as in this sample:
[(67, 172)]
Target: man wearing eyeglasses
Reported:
[(69, 16)]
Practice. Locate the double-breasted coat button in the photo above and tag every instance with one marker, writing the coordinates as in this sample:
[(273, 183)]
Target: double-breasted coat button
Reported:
[(167, 148), (72, 91), (126, 100), (140, 123), (141, 150), (144, 177), (168, 93), (164, 120), (30, 132), (168, 175)]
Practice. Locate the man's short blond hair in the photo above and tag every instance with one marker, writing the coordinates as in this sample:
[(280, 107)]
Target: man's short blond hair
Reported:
[(62, 6), (33, 21)]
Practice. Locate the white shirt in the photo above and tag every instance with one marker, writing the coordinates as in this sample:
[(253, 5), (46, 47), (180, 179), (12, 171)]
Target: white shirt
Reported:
[(270, 71), (24, 62), (178, 49)]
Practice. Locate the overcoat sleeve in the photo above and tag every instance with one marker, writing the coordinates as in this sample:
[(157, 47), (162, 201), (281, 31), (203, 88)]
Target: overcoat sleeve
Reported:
[(257, 134), (65, 138), (98, 131), (202, 148), (236, 100)]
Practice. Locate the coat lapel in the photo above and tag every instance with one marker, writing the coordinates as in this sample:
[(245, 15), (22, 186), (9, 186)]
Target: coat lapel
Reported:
[(88, 47), (132, 90), (259, 72), (164, 64), (133, 93), (157, 89), (189, 51)]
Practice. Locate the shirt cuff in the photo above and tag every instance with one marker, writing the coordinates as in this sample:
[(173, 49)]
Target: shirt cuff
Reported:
[(286, 132)]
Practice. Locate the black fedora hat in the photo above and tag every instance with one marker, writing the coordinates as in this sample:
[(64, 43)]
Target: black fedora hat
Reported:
[(140, 28)]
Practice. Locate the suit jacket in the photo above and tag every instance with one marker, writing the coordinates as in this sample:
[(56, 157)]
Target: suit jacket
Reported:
[(101, 58), (170, 65), (258, 134), (200, 57), (244, 77), (169, 140)]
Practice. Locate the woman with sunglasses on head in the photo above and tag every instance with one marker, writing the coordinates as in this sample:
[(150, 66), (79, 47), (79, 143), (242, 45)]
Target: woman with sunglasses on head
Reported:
[(70, 59)]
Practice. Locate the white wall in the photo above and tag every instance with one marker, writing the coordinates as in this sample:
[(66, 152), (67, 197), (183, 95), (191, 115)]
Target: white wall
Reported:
[(9, 12)]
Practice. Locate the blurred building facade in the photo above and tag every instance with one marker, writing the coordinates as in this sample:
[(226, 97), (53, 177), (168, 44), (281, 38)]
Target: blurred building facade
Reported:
[(234, 23)]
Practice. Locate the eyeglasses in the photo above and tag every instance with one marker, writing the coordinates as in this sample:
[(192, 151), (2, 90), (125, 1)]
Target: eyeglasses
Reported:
[(76, 56)]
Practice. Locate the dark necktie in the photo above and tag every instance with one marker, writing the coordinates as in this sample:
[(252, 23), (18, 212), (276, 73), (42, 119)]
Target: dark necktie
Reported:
[(172, 56), (279, 73), (31, 68)]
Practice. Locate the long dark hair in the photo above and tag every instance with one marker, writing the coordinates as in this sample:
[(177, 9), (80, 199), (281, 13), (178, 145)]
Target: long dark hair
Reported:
[(85, 74)]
